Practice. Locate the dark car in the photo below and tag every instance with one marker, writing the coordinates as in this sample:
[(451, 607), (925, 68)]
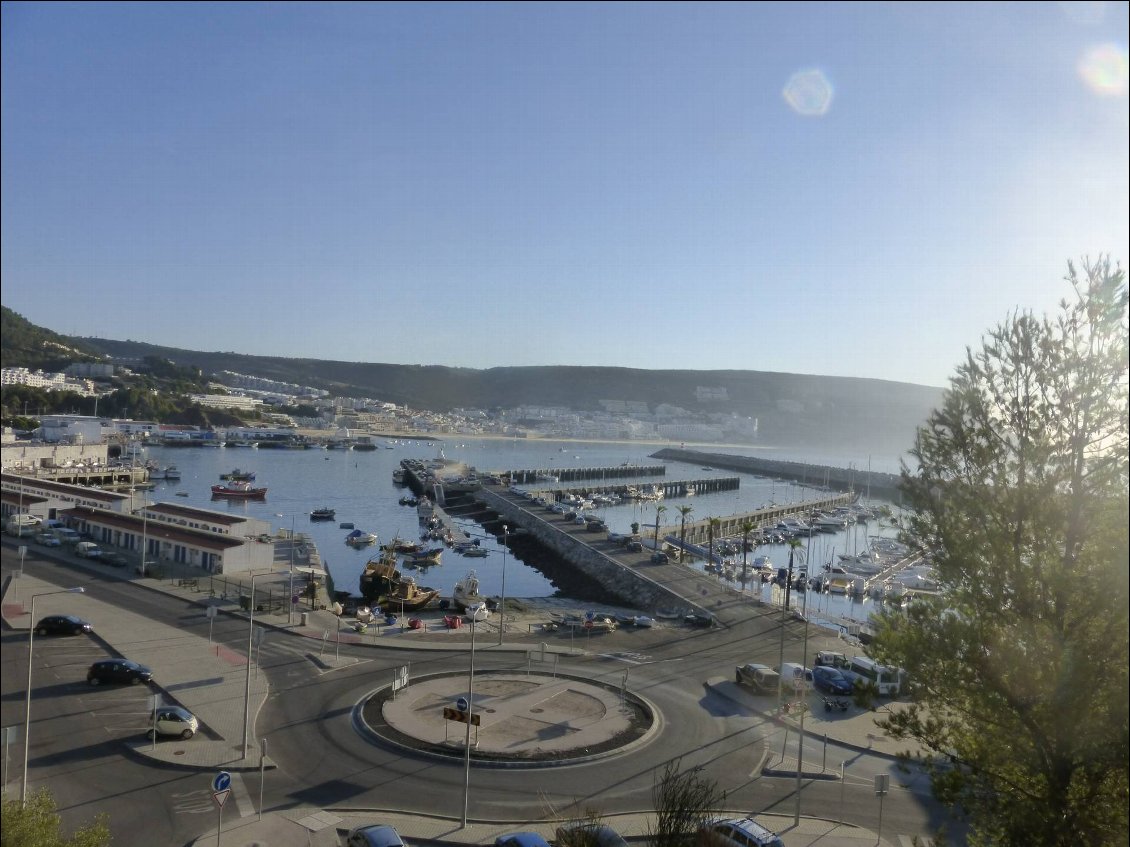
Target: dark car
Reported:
[(830, 681), (118, 670), (62, 625), (114, 560), (374, 835), (588, 835), (520, 839)]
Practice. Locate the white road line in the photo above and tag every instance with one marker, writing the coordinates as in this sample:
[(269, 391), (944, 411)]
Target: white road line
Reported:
[(240, 796)]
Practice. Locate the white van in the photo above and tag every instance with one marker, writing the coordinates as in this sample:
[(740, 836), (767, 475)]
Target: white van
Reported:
[(796, 678), (21, 525), (886, 679), (87, 550)]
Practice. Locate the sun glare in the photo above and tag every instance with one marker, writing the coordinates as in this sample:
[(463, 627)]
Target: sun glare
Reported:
[(808, 93), (1104, 69)]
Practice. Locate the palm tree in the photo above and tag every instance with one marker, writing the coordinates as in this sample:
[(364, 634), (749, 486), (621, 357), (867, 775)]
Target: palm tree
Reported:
[(683, 512), (794, 545), (747, 528), (711, 525), (659, 510)]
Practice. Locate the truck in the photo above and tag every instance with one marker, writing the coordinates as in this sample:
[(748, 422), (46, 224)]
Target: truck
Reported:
[(761, 678)]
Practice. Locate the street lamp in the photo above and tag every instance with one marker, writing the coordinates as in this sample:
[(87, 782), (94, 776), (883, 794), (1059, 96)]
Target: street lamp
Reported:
[(502, 607), (247, 687), (475, 612), (30, 648), (290, 583)]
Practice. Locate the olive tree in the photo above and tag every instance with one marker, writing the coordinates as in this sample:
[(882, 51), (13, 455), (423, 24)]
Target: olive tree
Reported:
[(1018, 492)]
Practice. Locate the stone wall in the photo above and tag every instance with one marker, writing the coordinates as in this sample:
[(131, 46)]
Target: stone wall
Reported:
[(633, 588)]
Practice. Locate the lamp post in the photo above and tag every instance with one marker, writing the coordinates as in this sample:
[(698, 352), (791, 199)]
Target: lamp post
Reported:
[(247, 687), (502, 606), (475, 611), (30, 649)]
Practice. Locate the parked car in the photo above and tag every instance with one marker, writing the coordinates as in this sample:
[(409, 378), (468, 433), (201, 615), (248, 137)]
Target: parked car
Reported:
[(114, 559), (761, 678), (702, 621), (62, 625), (658, 558), (635, 546), (118, 670), (588, 835), (87, 550), (173, 720), (831, 681), (47, 539), (374, 835), (617, 537), (520, 839), (738, 832)]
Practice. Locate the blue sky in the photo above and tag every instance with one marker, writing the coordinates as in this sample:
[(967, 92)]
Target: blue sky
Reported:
[(484, 185)]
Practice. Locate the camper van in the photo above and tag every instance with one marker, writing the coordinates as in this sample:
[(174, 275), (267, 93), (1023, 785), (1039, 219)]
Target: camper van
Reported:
[(796, 678), (886, 679), (21, 525)]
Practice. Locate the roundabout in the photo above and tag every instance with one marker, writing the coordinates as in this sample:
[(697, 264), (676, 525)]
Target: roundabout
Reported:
[(522, 719)]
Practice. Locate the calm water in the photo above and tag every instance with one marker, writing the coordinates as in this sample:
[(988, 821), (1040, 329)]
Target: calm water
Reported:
[(358, 485)]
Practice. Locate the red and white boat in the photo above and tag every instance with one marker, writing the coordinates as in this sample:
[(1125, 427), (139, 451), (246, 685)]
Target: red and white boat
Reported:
[(238, 488)]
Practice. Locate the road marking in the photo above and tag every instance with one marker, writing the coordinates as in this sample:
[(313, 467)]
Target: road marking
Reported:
[(240, 795)]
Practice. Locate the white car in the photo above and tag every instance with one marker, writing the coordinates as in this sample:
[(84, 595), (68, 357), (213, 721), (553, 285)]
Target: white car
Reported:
[(173, 720)]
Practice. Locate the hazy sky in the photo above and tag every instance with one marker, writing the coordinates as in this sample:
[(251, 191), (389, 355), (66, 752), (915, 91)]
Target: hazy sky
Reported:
[(845, 189)]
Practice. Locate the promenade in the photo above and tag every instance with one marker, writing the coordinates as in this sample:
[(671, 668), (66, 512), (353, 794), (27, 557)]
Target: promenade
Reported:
[(213, 682)]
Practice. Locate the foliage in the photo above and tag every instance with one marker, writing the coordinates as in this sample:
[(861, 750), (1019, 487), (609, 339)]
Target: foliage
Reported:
[(684, 801), (1019, 496), (26, 345), (36, 824)]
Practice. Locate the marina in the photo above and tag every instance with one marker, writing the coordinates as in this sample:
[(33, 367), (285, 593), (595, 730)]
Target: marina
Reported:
[(360, 489)]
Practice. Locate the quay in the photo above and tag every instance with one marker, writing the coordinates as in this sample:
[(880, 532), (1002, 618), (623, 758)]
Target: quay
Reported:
[(759, 520), (666, 489), (625, 471)]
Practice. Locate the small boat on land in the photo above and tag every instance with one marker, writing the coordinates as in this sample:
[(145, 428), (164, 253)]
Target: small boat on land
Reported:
[(323, 514), (360, 538), (238, 489), (466, 593), (409, 597)]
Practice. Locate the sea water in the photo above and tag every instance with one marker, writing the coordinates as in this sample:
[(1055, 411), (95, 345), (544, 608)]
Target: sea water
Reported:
[(358, 486)]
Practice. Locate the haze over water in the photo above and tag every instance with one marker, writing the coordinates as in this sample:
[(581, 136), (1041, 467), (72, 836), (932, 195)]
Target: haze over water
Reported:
[(359, 486)]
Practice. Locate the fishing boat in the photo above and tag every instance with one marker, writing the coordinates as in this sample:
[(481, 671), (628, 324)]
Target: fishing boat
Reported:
[(475, 552), (431, 556), (244, 490), (323, 514), (360, 538), (380, 577), (409, 597), (466, 592), (239, 475)]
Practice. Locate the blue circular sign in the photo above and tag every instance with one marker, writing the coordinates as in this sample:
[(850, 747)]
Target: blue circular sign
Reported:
[(462, 704), (222, 781)]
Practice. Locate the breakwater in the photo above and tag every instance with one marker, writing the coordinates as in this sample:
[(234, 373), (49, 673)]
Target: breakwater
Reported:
[(884, 485)]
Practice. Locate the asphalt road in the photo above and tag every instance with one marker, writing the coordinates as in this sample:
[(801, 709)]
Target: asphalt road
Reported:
[(322, 761)]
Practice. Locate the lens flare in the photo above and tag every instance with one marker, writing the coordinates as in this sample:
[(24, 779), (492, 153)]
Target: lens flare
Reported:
[(1104, 69), (808, 93)]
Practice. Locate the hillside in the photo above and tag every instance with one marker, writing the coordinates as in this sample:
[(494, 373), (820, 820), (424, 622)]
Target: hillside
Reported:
[(864, 414), (25, 345), (847, 414)]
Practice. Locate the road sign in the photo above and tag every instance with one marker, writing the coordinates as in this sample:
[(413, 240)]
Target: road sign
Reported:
[(462, 705), (221, 782), (457, 715), (221, 797), (882, 783), (210, 612)]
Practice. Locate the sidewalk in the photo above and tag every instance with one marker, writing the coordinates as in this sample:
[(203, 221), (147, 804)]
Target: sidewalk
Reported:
[(215, 683)]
